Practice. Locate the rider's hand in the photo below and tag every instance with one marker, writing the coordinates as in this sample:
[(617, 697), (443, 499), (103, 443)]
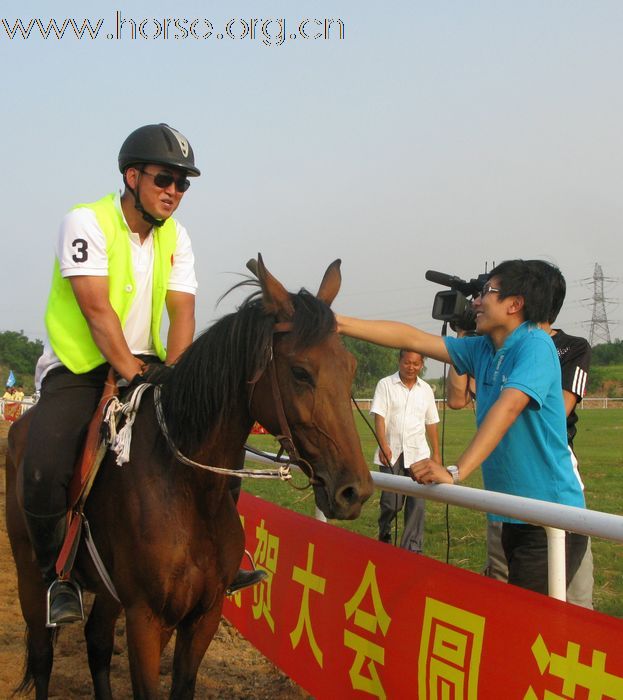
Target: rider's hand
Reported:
[(153, 373)]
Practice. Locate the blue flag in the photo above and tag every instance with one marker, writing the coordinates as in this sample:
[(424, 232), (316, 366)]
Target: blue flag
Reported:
[(11, 380)]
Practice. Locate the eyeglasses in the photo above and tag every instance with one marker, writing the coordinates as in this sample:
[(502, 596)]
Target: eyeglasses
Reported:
[(485, 290), (164, 180)]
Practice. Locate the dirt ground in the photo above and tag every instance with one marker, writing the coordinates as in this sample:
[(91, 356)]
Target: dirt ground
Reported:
[(232, 668)]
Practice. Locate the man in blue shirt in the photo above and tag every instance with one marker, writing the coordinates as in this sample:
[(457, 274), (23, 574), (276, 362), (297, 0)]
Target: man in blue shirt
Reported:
[(521, 437)]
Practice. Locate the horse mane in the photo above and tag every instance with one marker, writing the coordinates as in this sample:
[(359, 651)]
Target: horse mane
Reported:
[(212, 377)]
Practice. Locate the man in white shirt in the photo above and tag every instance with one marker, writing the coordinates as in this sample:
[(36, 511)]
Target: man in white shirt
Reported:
[(405, 415)]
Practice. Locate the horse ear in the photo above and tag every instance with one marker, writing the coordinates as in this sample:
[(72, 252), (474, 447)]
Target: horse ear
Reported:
[(331, 282), (252, 266), (276, 297)]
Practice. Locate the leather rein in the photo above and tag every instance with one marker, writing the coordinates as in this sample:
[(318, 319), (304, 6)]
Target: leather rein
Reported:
[(284, 438)]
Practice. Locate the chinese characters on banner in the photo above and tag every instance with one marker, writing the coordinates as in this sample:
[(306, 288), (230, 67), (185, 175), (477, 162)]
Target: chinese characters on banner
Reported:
[(346, 616)]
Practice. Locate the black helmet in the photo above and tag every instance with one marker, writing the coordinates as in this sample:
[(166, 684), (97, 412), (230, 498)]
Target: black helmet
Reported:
[(158, 143)]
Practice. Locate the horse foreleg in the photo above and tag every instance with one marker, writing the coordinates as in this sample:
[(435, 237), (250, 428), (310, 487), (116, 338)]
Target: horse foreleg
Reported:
[(193, 638), (99, 634), (146, 639)]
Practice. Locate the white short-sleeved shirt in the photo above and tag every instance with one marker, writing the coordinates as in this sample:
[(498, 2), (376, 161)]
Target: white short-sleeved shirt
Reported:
[(407, 412), (81, 250)]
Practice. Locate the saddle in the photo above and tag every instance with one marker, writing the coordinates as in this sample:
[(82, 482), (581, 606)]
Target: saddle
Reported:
[(87, 466)]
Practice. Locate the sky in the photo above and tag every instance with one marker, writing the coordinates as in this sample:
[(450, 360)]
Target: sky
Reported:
[(437, 134)]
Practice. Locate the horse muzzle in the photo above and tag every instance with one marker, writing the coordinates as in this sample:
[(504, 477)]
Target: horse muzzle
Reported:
[(341, 500)]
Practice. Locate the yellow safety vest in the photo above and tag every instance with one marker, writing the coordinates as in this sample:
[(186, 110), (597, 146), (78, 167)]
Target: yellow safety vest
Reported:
[(67, 328)]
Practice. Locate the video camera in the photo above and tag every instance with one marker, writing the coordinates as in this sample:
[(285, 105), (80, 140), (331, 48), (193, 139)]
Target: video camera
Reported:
[(453, 305)]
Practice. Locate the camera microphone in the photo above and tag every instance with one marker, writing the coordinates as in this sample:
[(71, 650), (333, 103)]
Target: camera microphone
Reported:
[(451, 281)]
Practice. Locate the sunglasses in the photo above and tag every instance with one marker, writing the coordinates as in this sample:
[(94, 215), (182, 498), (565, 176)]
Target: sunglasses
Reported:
[(164, 180)]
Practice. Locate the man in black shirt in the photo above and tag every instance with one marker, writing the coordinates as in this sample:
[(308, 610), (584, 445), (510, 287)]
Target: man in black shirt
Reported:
[(574, 354)]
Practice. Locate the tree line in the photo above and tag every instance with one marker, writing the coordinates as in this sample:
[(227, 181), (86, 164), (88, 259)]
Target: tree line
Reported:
[(608, 354), (20, 354)]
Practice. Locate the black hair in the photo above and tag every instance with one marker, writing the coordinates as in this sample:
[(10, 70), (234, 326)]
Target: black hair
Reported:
[(530, 280), (558, 285), (403, 350)]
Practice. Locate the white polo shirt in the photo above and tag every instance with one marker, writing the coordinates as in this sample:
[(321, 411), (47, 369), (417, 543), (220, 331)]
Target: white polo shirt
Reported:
[(82, 223), (407, 412)]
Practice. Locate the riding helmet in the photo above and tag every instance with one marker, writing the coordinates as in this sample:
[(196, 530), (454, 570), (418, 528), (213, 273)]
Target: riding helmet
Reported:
[(158, 143)]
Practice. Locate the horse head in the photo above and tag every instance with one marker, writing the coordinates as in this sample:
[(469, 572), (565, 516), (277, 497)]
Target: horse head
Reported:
[(314, 373)]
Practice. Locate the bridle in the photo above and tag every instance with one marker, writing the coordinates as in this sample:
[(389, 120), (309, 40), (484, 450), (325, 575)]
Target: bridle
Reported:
[(285, 439)]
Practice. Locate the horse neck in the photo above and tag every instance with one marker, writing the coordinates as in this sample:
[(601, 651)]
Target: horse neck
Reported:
[(223, 445)]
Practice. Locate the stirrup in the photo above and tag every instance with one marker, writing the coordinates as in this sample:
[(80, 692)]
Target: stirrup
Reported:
[(75, 589)]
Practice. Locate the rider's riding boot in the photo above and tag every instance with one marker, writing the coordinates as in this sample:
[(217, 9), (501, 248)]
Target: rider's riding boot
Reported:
[(64, 599), (244, 579)]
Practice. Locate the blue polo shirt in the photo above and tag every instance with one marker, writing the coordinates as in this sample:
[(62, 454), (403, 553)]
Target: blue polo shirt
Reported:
[(532, 459)]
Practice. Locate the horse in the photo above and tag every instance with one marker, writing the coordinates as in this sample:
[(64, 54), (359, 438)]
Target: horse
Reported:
[(169, 534)]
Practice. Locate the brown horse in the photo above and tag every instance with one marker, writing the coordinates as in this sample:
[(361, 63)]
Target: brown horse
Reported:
[(169, 534)]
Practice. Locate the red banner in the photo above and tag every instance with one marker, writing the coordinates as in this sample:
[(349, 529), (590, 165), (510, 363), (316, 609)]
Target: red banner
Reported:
[(348, 617), (12, 411)]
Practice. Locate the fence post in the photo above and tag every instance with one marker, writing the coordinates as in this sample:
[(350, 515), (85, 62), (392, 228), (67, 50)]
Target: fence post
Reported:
[(556, 563)]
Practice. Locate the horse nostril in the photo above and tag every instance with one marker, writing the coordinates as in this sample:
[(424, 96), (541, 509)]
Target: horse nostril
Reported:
[(348, 495)]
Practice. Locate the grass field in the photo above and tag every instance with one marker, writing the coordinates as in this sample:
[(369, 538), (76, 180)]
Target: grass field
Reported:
[(599, 445)]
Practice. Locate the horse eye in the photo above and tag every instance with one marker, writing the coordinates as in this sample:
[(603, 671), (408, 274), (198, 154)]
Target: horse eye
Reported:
[(302, 375)]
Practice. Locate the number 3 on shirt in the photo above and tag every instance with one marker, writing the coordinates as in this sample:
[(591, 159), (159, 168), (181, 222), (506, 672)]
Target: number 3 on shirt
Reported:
[(81, 247)]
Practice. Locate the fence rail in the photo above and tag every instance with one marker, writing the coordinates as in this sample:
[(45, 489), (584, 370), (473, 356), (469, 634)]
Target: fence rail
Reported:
[(11, 410), (601, 402)]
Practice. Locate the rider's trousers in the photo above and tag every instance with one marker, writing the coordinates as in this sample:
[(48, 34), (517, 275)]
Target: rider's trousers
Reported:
[(59, 424)]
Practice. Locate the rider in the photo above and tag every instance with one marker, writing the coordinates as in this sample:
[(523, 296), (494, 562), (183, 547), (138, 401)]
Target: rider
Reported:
[(119, 262)]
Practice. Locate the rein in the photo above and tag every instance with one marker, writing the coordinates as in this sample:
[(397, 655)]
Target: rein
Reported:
[(283, 472)]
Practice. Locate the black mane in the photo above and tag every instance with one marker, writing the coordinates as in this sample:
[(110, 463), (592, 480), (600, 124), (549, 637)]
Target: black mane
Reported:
[(212, 377)]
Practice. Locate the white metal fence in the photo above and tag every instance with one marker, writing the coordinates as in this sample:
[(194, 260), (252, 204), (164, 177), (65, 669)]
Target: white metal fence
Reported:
[(555, 518), (14, 409), (601, 402), (365, 404)]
